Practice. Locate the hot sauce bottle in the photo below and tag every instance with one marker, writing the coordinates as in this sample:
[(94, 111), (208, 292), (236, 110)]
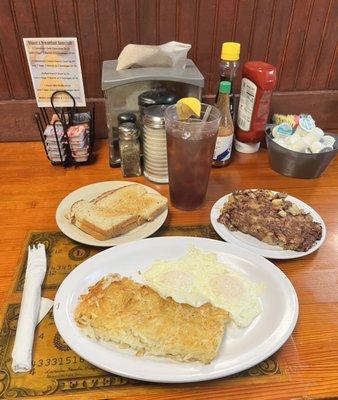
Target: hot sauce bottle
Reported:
[(258, 83), (222, 153)]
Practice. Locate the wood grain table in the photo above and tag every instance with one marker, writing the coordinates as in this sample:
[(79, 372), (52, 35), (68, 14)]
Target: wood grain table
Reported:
[(31, 190)]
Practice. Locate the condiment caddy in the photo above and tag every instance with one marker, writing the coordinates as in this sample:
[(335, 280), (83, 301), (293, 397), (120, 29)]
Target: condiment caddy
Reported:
[(68, 135)]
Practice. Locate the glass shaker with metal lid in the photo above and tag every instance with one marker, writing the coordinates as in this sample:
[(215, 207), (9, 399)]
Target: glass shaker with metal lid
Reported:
[(129, 149), (155, 145)]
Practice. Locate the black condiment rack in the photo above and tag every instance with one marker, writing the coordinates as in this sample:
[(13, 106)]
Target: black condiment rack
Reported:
[(67, 117)]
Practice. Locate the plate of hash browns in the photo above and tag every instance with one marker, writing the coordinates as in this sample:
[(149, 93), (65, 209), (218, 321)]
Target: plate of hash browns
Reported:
[(272, 224), (175, 309)]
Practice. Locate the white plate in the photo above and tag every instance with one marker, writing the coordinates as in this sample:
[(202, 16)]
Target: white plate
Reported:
[(240, 349), (251, 243), (91, 191)]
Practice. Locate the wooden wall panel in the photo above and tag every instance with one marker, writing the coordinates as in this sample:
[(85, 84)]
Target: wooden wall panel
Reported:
[(312, 43), (17, 81), (4, 83), (66, 20), (204, 38), (276, 46), (44, 18), (107, 28), (299, 37), (264, 19), (128, 22), (147, 21), (333, 77), (88, 35), (226, 14), (24, 27), (294, 44), (187, 11), (243, 28), (167, 21), (323, 71)]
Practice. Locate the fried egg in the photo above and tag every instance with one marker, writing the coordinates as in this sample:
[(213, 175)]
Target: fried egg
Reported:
[(199, 277)]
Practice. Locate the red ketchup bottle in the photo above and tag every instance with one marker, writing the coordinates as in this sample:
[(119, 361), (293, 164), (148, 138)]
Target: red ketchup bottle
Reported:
[(258, 83)]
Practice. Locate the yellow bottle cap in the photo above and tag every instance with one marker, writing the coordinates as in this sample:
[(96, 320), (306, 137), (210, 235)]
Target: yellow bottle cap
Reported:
[(230, 51)]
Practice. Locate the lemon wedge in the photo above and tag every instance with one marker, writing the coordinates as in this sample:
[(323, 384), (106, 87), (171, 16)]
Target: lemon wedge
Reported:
[(187, 107)]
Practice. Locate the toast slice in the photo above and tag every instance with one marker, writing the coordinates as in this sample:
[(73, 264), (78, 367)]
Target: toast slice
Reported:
[(134, 199), (99, 222), (125, 193), (119, 310)]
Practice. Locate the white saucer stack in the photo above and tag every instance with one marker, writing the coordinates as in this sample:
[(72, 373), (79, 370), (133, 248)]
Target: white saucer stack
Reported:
[(155, 145)]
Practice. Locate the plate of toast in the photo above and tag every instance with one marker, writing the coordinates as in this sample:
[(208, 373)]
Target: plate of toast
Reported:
[(175, 309), (109, 213)]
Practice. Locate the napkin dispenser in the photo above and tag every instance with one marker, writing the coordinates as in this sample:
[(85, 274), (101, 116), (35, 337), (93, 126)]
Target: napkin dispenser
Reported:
[(122, 88)]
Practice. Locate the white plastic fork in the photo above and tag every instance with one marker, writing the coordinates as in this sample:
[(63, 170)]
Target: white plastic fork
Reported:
[(36, 260)]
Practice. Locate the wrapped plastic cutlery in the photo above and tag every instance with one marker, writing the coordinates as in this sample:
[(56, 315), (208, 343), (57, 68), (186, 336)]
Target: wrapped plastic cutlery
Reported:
[(32, 308)]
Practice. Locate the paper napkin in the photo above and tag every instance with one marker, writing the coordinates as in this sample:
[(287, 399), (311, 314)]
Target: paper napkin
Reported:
[(171, 54)]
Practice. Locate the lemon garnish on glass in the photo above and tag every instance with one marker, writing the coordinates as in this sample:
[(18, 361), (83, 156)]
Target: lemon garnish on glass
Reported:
[(188, 107)]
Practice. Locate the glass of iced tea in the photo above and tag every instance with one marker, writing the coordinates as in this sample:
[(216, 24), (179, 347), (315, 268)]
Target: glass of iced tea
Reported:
[(190, 147)]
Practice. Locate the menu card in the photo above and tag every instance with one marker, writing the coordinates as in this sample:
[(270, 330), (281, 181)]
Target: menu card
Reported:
[(54, 64)]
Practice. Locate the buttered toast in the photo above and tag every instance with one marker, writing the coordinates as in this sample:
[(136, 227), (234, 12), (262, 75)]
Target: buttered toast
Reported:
[(99, 222), (134, 199), (116, 212)]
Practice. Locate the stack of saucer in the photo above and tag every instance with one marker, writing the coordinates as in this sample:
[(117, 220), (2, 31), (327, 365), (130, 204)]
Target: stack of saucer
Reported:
[(155, 145)]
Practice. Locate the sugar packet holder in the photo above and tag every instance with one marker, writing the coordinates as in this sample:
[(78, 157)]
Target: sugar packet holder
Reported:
[(54, 133)]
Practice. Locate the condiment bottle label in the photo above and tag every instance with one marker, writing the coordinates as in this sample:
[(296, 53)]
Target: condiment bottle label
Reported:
[(246, 104), (223, 148)]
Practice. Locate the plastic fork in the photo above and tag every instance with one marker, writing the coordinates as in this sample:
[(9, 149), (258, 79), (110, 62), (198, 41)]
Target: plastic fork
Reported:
[(36, 260)]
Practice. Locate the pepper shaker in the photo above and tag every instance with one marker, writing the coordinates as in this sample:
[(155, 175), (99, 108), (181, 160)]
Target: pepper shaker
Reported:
[(129, 149)]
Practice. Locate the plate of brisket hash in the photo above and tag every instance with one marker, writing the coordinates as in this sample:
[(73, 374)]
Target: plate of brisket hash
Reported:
[(272, 224)]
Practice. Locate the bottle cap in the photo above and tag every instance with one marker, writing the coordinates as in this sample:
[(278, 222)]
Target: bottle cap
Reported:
[(126, 117), (154, 116), (225, 87), (230, 51), (246, 147)]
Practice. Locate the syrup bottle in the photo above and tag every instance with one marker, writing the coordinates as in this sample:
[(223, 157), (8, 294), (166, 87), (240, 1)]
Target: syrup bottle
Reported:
[(228, 67)]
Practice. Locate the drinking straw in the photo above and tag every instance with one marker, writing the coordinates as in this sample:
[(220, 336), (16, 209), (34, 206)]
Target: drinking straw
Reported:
[(206, 114)]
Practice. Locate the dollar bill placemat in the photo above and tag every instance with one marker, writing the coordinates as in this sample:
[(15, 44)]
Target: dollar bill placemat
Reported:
[(57, 370), (64, 254)]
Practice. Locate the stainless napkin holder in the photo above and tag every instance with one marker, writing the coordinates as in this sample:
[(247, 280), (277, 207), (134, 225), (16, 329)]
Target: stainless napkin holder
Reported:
[(122, 88)]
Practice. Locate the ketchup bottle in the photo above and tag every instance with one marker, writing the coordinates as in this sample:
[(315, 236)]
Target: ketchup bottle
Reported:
[(258, 83)]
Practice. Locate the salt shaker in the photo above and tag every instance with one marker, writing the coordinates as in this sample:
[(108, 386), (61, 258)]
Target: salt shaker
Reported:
[(129, 149), (155, 145)]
